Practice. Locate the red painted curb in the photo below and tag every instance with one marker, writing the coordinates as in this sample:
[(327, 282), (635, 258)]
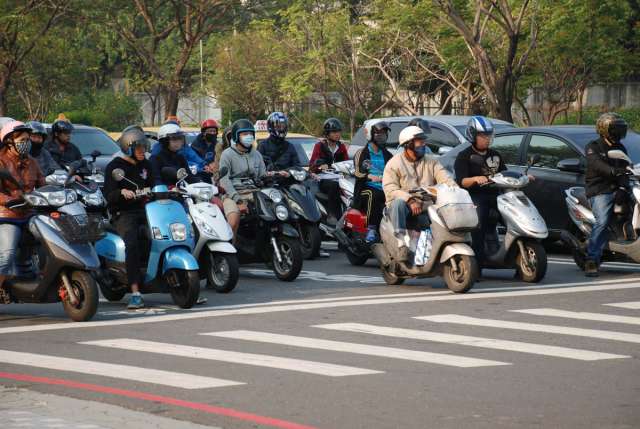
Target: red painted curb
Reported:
[(211, 409)]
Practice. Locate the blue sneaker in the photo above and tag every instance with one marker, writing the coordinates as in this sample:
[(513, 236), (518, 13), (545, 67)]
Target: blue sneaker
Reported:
[(372, 235), (135, 302)]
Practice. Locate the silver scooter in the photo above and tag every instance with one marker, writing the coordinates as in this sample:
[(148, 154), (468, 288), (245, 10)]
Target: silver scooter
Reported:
[(443, 249), (624, 229)]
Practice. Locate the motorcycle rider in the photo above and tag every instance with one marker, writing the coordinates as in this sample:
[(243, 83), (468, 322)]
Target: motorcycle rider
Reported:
[(15, 159), (127, 212), (205, 144), (276, 150), (602, 177), (368, 193), (170, 141), (327, 151), (38, 135), (473, 167), (60, 147), (409, 170), (242, 162), (424, 125)]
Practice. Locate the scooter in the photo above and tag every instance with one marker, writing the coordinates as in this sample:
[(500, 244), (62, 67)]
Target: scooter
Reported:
[(521, 247), (443, 249), (624, 229), (56, 258), (170, 267), (342, 172), (213, 249)]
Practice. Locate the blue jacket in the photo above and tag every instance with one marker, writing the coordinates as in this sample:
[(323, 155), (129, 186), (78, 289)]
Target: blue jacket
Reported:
[(206, 151), (192, 157)]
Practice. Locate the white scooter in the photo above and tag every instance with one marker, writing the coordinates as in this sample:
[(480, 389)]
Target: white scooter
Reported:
[(342, 172), (214, 252)]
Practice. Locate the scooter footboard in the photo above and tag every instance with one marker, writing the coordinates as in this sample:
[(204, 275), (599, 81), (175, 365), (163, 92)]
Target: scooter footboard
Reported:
[(178, 258), (221, 246), (455, 249)]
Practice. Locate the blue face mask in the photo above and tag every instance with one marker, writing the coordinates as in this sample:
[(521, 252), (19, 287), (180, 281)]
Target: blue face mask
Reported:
[(420, 151)]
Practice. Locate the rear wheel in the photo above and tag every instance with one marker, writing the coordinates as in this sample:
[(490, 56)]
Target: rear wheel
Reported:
[(356, 259), (184, 287), (84, 287), (290, 265), (460, 273), (532, 266), (310, 240), (112, 295), (222, 271)]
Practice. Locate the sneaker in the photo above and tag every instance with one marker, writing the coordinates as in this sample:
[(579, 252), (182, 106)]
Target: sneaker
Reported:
[(372, 235), (201, 300), (590, 268), (135, 302)]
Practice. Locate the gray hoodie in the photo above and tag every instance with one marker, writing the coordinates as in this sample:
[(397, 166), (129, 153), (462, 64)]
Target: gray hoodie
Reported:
[(241, 166)]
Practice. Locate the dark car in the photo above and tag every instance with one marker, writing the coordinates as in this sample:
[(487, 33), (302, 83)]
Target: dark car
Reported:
[(89, 139), (561, 165)]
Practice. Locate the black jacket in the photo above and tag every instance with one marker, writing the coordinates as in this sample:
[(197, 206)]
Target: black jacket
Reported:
[(139, 173), (601, 176), (278, 155), (71, 153), (362, 176), (166, 158), (470, 163)]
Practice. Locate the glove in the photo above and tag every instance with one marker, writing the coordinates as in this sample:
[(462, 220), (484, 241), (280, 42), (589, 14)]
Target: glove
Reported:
[(620, 171)]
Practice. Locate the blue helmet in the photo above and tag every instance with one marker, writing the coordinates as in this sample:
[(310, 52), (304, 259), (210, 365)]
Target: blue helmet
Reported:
[(278, 124), (478, 125)]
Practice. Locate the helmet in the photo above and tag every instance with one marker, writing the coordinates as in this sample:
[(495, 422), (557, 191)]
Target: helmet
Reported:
[(375, 126), (278, 124), (331, 125), (62, 126), (478, 125), (169, 130), (226, 136), (4, 120), (422, 123), (239, 126), (409, 133), (611, 126), (131, 137), (37, 128), (209, 123), (12, 127)]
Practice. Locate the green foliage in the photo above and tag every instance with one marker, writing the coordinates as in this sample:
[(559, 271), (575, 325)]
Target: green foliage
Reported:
[(590, 116)]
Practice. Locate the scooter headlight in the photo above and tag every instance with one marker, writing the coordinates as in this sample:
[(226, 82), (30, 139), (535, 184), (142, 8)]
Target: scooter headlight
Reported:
[(282, 213), (93, 199), (57, 199), (276, 196), (299, 175), (178, 231), (36, 200), (205, 195)]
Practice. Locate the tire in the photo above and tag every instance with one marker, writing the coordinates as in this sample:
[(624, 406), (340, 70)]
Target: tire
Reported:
[(390, 278), (538, 259), (355, 259), (223, 271), (184, 287), (112, 295), (291, 265), (462, 279), (310, 240), (84, 285)]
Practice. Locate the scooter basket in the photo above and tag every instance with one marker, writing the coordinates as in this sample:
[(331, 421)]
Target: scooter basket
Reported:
[(81, 228), (459, 217)]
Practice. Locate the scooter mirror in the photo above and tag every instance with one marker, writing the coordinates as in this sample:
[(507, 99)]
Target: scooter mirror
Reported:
[(181, 174), (366, 165), (223, 172), (618, 154), (117, 174)]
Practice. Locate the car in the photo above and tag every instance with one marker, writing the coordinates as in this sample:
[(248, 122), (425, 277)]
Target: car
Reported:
[(562, 163), (447, 132), (89, 139)]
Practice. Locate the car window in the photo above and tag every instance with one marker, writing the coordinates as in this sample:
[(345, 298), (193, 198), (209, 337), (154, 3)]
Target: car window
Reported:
[(89, 140), (550, 149), (441, 137), (509, 147)]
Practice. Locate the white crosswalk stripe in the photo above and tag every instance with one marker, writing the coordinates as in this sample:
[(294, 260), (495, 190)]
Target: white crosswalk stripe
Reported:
[(533, 327), (125, 372), (298, 365), (363, 349), (488, 343), (632, 305), (599, 317)]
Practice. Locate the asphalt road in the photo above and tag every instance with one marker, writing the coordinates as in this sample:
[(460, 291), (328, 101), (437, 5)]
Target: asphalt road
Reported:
[(339, 349)]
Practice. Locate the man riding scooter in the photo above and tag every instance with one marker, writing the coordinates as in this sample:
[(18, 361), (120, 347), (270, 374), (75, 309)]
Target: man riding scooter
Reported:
[(63, 151), (276, 150), (602, 177), (38, 135)]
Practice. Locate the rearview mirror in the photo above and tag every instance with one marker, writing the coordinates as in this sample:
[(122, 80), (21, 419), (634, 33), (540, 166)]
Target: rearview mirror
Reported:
[(117, 174), (96, 153), (572, 165), (181, 174), (366, 165)]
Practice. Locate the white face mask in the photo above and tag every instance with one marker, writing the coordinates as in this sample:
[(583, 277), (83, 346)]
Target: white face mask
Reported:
[(247, 141)]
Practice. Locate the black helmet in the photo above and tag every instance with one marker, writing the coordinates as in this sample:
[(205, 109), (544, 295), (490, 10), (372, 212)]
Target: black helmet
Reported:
[(62, 126), (612, 126), (278, 125), (240, 126), (421, 123), (331, 125), (37, 128), (131, 137), (226, 136), (377, 127)]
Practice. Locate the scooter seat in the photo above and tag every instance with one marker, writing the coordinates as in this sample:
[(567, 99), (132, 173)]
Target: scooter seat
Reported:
[(581, 195)]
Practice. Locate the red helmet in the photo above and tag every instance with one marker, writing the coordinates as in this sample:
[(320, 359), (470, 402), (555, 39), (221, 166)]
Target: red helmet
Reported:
[(209, 123)]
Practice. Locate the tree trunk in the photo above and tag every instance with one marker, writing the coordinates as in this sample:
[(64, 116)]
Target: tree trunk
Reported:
[(4, 85), (580, 97), (444, 98)]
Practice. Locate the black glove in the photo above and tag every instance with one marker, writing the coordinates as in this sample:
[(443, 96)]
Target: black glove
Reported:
[(11, 204), (619, 171)]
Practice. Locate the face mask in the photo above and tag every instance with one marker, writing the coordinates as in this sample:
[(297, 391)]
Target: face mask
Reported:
[(36, 148), (246, 141), (420, 151), (211, 138), (175, 145), (23, 148), (380, 139)]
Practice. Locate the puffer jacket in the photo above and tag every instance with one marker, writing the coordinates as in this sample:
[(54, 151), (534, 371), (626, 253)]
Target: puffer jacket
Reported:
[(27, 173)]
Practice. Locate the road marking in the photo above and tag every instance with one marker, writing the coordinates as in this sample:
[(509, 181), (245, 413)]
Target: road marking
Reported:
[(519, 291), (311, 367), (363, 349), (612, 265), (632, 305), (599, 317), (534, 327), (488, 343), (125, 372), (318, 276)]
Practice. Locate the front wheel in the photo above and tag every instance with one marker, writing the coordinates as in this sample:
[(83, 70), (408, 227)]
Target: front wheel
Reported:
[(223, 270), (85, 288), (290, 264), (310, 240), (460, 272), (532, 266), (184, 287), (356, 259)]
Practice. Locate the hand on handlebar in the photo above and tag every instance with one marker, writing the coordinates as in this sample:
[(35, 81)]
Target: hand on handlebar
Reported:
[(416, 207), (481, 180), (127, 194)]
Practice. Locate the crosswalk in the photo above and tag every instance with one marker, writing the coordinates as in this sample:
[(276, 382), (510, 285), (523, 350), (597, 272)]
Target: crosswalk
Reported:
[(425, 334)]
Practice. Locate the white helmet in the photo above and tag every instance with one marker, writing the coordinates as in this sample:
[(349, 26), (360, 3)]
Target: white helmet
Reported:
[(169, 130), (409, 133)]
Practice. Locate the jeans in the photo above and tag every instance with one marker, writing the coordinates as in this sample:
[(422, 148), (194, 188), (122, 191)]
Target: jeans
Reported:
[(400, 216), (484, 204), (602, 207), (128, 226), (10, 234)]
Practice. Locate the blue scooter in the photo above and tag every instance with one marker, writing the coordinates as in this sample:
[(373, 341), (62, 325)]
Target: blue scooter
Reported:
[(170, 266)]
